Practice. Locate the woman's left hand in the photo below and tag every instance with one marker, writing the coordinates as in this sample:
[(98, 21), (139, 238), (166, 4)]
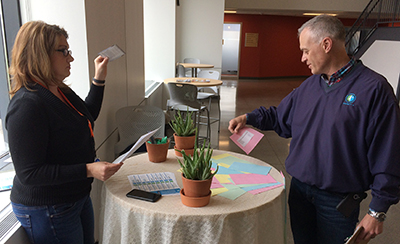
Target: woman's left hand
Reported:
[(102, 170), (100, 68)]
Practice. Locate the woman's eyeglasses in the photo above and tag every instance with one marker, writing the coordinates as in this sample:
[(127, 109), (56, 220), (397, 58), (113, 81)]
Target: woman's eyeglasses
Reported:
[(65, 52)]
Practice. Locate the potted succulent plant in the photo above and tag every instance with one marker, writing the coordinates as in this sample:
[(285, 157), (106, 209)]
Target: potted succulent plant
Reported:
[(196, 176), (185, 133), (157, 149)]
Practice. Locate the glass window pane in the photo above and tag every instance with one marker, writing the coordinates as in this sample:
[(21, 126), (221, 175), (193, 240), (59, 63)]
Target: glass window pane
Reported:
[(10, 22), (3, 144)]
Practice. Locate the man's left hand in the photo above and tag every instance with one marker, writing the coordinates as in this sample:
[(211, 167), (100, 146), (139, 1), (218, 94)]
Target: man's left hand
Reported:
[(372, 228)]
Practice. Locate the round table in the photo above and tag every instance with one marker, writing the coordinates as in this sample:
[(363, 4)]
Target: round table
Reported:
[(248, 219), (194, 67), (199, 82)]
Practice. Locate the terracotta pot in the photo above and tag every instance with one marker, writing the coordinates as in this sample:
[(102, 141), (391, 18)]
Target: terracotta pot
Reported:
[(196, 188), (184, 142), (157, 152), (195, 201), (187, 151)]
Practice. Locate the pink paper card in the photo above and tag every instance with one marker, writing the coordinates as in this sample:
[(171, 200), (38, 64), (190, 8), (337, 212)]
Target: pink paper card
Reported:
[(254, 192), (215, 183), (247, 138), (240, 179)]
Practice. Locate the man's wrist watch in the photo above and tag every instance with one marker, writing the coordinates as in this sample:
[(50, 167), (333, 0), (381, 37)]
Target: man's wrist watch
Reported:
[(380, 216)]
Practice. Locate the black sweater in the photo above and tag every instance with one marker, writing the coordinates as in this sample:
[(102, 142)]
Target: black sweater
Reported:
[(50, 144)]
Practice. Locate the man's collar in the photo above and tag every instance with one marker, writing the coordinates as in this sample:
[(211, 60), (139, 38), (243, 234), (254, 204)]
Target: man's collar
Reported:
[(338, 75)]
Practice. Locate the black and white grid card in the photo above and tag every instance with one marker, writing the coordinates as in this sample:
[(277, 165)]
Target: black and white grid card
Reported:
[(112, 53)]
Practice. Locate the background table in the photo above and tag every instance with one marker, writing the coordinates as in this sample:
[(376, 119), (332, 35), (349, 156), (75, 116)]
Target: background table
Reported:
[(194, 67), (248, 219), (194, 81)]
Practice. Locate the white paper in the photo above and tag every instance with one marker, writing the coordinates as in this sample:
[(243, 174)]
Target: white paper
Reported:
[(164, 183), (245, 138), (112, 53), (135, 147), (352, 239)]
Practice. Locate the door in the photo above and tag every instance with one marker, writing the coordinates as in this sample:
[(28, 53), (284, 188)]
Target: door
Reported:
[(230, 49)]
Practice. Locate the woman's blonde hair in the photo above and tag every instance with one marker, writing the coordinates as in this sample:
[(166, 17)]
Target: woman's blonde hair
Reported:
[(36, 41)]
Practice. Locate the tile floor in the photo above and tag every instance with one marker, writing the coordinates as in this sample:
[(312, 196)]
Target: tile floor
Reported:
[(241, 96)]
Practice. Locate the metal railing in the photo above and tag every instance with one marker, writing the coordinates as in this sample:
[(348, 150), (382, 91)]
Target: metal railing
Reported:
[(378, 13)]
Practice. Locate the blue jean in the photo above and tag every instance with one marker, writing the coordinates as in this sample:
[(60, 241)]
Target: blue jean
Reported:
[(314, 218), (62, 223)]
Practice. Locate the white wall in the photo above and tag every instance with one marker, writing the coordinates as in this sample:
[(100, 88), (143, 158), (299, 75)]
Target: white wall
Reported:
[(59, 13), (199, 27), (134, 49), (383, 57), (159, 38)]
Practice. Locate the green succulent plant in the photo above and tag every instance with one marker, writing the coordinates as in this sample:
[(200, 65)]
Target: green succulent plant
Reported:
[(157, 140), (181, 126), (198, 166)]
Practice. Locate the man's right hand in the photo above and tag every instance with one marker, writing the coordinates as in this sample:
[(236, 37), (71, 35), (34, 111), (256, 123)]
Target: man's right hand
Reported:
[(237, 123)]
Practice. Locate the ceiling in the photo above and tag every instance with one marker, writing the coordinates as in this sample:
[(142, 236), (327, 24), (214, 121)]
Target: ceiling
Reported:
[(285, 12)]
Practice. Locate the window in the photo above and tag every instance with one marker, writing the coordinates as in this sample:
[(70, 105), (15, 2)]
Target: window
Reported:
[(10, 22), (150, 86)]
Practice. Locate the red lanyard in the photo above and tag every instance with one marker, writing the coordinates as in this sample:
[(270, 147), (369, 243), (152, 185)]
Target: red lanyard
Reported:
[(72, 106)]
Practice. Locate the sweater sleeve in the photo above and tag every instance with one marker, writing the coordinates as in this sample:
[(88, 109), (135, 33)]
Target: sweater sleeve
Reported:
[(28, 132), (383, 138), (275, 118), (94, 100)]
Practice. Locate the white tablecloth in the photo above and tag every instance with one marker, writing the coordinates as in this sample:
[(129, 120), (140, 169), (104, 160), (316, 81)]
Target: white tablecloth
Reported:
[(248, 219)]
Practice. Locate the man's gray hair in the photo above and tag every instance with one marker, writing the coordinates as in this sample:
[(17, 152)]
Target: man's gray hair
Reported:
[(323, 26)]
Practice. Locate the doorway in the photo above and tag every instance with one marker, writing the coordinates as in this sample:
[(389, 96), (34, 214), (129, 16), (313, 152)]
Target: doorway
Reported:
[(230, 49)]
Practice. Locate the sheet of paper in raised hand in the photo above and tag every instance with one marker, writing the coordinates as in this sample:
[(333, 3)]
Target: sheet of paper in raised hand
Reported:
[(112, 52)]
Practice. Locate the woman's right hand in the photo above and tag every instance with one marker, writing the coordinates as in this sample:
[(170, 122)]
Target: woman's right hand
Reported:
[(100, 68), (102, 170)]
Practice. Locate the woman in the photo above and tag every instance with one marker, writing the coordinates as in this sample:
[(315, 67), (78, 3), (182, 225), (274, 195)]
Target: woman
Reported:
[(51, 142)]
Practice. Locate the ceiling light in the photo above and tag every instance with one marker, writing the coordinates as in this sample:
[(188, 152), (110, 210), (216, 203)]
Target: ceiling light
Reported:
[(230, 11), (316, 14)]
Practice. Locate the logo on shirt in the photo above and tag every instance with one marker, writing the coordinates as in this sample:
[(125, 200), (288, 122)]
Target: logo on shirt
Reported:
[(349, 99)]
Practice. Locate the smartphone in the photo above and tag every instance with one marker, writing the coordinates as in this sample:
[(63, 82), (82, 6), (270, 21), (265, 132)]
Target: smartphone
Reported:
[(144, 195), (350, 203)]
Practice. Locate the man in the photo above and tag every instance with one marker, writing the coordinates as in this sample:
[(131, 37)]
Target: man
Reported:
[(344, 122)]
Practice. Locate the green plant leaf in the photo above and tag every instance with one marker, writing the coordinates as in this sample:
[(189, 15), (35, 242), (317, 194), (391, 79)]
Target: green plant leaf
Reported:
[(181, 126), (198, 166)]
